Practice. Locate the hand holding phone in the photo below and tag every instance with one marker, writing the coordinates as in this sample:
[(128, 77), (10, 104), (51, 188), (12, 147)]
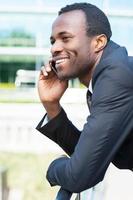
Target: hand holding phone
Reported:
[(51, 89)]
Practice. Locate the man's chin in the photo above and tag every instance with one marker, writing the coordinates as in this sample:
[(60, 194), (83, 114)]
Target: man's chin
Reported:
[(64, 77)]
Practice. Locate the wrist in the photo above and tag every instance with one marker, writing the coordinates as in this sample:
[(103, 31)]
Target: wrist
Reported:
[(52, 109)]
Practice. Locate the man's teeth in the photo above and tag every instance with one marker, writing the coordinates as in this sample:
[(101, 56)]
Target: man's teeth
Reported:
[(60, 61)]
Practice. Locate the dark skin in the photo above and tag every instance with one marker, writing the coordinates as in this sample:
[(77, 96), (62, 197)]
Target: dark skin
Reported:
[(75, 55)]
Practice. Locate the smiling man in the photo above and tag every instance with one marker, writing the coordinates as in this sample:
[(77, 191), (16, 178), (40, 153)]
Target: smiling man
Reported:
[(76, 56), (81, 48)]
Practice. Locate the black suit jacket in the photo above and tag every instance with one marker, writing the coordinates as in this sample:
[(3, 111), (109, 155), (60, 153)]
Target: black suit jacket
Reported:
[(107, 136)]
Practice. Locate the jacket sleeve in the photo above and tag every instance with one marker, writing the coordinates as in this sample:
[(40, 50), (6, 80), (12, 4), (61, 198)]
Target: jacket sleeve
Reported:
[(61, 130), (102, 135)]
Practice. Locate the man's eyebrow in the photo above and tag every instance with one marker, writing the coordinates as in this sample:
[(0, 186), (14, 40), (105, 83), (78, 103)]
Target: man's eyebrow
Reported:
[(63, 32), (60, 34)]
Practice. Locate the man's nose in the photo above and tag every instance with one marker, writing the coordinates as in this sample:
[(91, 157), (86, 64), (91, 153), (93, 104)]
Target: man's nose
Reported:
[(56, 48)]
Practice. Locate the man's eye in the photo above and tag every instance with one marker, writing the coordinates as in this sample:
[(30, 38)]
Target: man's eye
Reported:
[(65, 39)]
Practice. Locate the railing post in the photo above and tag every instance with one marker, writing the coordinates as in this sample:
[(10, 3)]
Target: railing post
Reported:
[(4, 186)]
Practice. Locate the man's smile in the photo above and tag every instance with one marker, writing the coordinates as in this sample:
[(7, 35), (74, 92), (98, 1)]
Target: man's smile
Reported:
[(60, 61)]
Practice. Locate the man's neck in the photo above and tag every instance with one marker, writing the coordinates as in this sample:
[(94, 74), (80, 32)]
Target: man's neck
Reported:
[(86, 79)]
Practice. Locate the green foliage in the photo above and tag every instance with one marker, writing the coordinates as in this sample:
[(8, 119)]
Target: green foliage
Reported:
[(20, 34), (18, 38), (7, 86), (26, 172)]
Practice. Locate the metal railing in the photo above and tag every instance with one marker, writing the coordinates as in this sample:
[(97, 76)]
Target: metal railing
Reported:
[(4, 185)]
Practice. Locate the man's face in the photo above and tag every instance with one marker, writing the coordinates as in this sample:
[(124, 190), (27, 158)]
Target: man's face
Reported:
[(72, 50)]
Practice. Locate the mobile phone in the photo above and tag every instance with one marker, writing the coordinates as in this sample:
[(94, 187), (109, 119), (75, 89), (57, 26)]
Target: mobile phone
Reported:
[(52, 63)]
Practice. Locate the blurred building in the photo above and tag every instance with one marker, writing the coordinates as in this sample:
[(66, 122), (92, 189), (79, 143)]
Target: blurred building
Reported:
[(25, 29)]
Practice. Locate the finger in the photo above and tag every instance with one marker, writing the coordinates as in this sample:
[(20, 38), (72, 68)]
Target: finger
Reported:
[(43, 71), (48, 68)]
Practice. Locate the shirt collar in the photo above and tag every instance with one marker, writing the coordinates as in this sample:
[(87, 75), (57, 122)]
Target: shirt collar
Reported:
[(90, 86)]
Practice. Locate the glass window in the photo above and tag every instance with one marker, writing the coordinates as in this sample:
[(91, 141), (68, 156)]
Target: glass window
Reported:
[(52, 3), (62, 3), (120, 4), (122, 28), (35, 27), (18, 3)]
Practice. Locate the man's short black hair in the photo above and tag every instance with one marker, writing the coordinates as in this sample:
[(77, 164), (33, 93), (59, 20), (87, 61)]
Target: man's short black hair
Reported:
[(97, 21)]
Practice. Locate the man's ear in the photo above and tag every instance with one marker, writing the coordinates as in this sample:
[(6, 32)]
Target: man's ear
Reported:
[(100, 42)]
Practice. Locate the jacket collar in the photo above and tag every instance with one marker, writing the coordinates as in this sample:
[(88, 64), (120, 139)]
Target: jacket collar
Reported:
[(109, 49)]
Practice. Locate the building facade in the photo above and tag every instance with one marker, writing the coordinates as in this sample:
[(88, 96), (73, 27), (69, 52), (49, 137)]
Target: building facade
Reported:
[(25, 29)]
